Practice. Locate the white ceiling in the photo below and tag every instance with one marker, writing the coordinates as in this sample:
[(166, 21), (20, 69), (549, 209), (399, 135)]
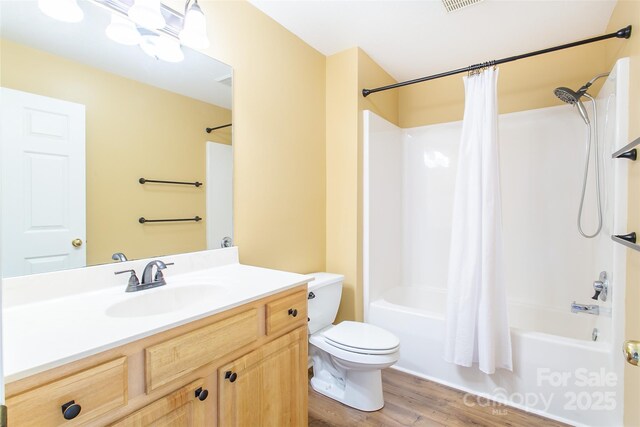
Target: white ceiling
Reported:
[(86, 42), (411, 39)]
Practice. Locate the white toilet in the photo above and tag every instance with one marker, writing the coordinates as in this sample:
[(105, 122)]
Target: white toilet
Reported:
[(348, 357)]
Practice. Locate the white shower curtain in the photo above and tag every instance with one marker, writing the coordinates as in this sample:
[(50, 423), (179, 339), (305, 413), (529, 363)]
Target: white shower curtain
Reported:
[(477, 329)]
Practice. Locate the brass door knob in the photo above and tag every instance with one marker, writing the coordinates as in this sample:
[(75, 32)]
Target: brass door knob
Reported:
[(631, 350), (76, 243)]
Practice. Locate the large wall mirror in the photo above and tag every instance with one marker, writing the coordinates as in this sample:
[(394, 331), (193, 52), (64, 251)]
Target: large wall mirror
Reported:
[(83, 119)]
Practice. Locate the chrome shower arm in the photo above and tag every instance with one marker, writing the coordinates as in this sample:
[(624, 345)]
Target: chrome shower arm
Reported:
[(599, 76), (587, 85)]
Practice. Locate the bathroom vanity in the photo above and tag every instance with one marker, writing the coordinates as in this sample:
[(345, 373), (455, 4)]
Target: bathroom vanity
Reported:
[(232, 354)]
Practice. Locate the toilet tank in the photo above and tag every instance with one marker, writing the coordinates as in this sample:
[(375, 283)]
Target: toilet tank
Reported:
[(324, 299)]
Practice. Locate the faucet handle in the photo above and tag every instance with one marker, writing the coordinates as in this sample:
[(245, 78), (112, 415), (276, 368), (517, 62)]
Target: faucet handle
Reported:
[(596, 295), (601, 287), (133, 272), (133, 279), (159, 276)]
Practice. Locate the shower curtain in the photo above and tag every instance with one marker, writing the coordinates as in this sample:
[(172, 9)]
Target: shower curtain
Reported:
[(477, 329)]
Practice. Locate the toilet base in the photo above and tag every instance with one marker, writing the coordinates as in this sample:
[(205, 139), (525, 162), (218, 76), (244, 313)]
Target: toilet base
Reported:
[(359, 389)]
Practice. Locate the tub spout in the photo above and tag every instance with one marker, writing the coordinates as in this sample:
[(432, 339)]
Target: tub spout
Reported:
[(585, 308)]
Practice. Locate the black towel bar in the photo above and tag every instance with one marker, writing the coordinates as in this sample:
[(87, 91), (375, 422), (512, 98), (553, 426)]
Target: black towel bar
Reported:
[(629, 240), (143, 220), (157, 181)]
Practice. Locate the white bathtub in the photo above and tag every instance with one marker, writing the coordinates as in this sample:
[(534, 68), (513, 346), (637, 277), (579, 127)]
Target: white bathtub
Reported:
[(558, 371)]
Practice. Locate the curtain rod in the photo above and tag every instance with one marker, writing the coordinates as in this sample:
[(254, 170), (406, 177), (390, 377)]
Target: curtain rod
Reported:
[(623, 33)]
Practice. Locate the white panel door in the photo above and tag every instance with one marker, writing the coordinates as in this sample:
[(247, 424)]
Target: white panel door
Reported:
[(219, 187), (43, 183)]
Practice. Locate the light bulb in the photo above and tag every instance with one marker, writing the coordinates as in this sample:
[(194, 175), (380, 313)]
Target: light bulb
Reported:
[(147, 14), (168, 49), (62, 10), (122, 31), (194, 30), (148, 44)]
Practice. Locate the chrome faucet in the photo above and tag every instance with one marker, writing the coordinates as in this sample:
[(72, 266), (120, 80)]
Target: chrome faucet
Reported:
[(585, 308), (119, 256), (149, 280)]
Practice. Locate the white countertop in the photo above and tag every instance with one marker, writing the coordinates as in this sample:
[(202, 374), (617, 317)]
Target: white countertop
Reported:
[(51, 332)]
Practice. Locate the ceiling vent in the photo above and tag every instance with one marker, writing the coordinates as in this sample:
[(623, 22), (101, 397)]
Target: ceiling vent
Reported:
[(453, 5)]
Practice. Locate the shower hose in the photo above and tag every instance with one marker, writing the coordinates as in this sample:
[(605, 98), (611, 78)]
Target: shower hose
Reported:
[(592, 134)]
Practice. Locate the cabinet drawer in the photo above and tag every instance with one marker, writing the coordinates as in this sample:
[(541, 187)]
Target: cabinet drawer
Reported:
[(287, 313), (181, 355), (97, 390)]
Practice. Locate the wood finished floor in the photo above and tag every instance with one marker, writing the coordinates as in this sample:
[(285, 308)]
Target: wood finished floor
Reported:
[(412, 401)]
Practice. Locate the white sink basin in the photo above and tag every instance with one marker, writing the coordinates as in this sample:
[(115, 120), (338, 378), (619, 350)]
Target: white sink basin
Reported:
[(164, 300)]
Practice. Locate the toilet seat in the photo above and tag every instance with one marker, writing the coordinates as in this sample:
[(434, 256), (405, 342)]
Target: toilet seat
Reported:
[(370, 360), (361, 338)]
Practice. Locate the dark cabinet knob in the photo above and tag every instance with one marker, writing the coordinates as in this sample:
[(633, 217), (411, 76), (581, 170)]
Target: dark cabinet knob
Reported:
[(202, 394), (231, 376), (293, 312), (70, 410)]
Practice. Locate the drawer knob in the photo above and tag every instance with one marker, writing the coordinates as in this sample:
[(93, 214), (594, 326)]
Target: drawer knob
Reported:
[(293, 312), (70, 410), (202, 394), (231, 376)]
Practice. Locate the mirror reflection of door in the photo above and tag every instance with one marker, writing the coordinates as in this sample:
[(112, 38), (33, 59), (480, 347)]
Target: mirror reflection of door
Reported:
[(43, 191), (219, 189)]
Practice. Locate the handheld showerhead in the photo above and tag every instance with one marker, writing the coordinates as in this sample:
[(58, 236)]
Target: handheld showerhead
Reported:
[(573, 98), (566, 95)]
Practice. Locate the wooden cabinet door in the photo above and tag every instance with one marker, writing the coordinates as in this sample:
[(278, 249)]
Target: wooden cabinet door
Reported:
[(182, 408), (267, 387)]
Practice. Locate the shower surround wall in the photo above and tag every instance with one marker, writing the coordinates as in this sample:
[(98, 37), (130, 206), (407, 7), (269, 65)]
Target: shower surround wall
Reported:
[(409, 179)]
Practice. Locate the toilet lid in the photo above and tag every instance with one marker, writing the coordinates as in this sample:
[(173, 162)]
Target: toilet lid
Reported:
[(362, 338)]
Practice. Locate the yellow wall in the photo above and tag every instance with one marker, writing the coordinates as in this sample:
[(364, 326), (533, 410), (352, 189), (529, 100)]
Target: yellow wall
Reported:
[(628, 12), (278, 137), (132, 130), (347, 73), (523, 85), (342, 175)]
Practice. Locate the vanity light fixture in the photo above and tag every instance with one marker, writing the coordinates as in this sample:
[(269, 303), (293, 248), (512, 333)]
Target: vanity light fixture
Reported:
[(62, 10), (194, 29), (123, 31), (147, 14), (168, 49), (161, 47), (156, 28)]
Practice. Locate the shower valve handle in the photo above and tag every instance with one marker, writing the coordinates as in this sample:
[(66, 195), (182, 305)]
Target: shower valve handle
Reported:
[(601, 287)]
